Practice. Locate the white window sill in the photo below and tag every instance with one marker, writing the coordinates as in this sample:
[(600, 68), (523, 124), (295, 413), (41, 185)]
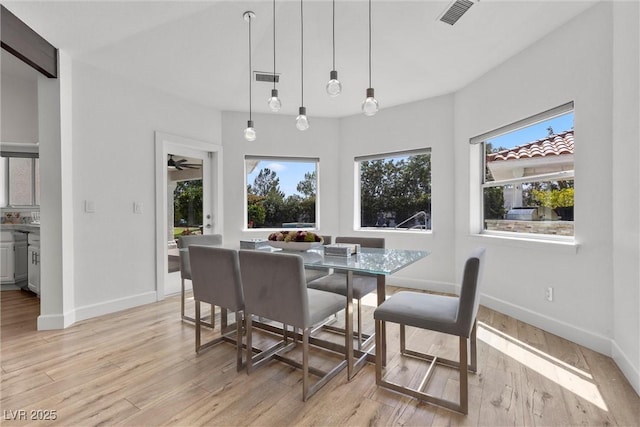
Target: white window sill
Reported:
[(561, 245), (394, 230)]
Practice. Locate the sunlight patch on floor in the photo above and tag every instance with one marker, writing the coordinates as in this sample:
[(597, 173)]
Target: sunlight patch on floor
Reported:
[(563, 374)]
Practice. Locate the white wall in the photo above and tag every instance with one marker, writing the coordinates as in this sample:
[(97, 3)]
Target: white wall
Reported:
[(626, 190), (571, 64), (113, 165), (19, 109), (278, 136), (423, 124)]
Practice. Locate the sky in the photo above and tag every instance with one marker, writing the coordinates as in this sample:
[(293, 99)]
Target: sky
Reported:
[(290, 173), (533, 132)]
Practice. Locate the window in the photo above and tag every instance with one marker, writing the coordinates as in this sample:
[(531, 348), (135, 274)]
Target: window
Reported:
[(21, 181), (281, 192), (395, 190), (528, 180)]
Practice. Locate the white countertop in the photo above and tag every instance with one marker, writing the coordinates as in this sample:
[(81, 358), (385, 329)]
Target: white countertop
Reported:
[(27, 228)]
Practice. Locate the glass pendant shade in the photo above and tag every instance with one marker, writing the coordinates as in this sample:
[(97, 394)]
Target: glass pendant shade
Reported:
[(274, 102), (370, 104), (250, 132), (334, 87), (302, 123)]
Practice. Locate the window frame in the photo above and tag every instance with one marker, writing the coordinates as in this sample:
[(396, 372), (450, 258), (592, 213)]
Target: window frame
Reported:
[(479, 142), (357, 213), (289, 159), (34, 171)]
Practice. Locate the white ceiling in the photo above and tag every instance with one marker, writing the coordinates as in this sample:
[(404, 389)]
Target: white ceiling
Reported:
[(199, 50)]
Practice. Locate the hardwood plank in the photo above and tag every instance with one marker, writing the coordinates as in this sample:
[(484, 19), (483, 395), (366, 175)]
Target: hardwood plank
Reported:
[(139, 367)]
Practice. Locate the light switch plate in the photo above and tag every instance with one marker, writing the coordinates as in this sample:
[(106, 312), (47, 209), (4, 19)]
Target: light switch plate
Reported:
[(89, 206)]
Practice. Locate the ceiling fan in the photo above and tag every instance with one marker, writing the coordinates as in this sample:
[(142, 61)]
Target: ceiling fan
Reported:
[(181, 164)]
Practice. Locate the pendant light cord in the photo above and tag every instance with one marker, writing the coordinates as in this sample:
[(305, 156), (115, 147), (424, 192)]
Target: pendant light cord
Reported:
[(369, 43), (302, 53), (334, 34), (249, 67), (274, 44)]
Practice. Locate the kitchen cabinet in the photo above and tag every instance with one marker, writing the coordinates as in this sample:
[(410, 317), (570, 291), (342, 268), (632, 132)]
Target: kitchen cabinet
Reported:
[(34, 263), (13, 257), (21, 251), (6, 257)]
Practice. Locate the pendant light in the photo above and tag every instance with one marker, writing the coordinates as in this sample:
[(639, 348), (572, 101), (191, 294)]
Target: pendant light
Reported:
[(274, 102), (249, 132), (334, 87), (302, 123), (370, 104)]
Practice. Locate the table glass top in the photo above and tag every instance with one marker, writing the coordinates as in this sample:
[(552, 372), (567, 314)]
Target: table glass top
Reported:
[(369, 260)]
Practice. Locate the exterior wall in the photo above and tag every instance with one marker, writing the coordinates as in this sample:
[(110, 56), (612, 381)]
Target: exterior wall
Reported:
[(556, 228)]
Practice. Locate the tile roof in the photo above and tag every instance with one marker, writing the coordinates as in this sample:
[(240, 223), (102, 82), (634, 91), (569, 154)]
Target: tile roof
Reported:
[(553, 145)]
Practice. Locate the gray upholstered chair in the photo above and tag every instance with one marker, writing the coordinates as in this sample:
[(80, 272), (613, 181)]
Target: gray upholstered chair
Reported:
[(313, 273), (363, 284), (185, 268), (215, 274), (446, 314), (275, 289)]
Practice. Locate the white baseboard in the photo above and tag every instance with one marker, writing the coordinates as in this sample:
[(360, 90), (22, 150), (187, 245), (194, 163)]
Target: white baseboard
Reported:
[(591, 340), (423, 285), (47, 322), (630, 371), (95, 310)]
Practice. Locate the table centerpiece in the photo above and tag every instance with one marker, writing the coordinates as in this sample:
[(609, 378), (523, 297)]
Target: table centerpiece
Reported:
[(295, 240)]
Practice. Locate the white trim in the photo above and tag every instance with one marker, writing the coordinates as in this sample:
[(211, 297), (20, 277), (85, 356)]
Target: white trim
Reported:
[(553, 176), (547, 242), (423, 285), (114, 305), (536, 118), (589, 339), (48, 322), (625, 364)]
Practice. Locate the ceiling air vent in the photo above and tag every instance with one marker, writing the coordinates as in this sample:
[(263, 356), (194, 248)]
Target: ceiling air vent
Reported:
[(455, 11), (266, 77)]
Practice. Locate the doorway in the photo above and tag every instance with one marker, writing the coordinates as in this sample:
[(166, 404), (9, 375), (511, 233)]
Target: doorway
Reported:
[(188, 172)]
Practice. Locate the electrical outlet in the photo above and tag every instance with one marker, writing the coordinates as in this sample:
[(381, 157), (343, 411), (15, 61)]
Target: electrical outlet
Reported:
[(549, 293)]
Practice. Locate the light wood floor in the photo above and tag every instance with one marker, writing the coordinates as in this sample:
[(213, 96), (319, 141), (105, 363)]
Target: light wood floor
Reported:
[(138, 367)]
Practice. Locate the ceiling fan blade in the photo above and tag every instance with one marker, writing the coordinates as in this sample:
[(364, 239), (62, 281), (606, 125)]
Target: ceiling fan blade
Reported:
[(179, 167)]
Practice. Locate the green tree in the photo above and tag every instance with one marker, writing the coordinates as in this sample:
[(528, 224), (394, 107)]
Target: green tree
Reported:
[(307, 186), (187, 202), (266, 183), (401, 187)]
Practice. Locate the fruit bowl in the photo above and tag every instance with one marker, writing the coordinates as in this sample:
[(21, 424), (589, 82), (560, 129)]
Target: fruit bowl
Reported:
[(294, 246)]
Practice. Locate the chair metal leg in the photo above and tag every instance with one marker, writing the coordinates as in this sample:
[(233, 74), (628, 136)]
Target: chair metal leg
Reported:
[(359, 324), (249, 333), (197, 320), (461, 365), (464, 382), (305, 364), (211, 324), (473, 366)]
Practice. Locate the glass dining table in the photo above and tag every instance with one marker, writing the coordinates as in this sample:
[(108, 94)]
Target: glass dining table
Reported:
[(373, 261)]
